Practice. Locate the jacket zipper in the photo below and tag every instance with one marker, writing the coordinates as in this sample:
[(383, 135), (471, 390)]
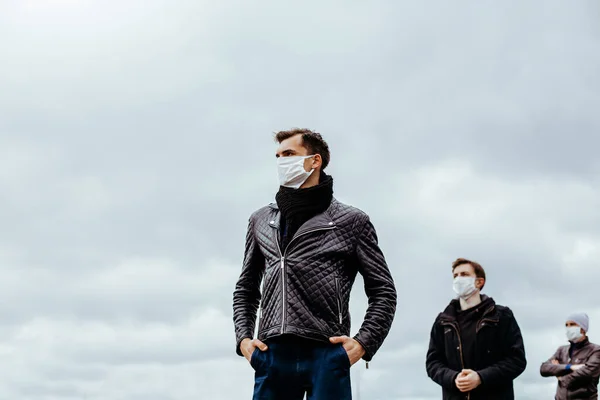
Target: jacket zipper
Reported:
[(338, 298), (462, 361), (260, 307), (460, 348), (283, 271)]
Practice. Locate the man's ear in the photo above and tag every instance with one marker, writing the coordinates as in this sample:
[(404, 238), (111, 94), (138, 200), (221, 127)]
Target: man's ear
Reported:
[(479, 283), (317, 161)]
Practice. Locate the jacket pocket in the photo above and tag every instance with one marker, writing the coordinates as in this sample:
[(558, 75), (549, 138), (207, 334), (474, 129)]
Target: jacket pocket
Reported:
[(345, 359), (253, 358), (338, 297)]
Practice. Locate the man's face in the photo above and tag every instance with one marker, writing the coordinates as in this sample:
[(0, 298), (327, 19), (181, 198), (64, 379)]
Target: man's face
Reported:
[(293, 147), (467, 270), (570, 324)]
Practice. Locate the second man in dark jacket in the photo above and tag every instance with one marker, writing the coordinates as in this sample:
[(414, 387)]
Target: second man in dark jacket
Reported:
[(476, 349)]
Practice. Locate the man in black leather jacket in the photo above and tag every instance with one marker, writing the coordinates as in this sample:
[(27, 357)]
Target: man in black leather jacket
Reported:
[(476, 349), (307, 250)]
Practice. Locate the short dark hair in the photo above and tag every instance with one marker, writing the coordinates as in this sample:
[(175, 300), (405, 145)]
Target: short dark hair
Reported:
[(312, 141), (479, 271)]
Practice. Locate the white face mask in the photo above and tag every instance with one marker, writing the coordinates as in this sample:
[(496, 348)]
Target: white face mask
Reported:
[(464, 286), (574, 333), (291, 171)]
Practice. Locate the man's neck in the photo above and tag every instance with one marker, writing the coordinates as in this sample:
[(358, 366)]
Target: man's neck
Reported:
[(313, 180), (471, 302), (581, 339)]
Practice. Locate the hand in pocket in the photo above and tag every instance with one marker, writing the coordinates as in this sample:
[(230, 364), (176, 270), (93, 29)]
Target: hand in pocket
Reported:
[(248, 345)]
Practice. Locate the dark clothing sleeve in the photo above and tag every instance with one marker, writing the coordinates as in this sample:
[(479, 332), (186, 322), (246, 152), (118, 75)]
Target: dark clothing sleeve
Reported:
[(549, 369), (590, 370), (436, 363), (379, 288), (513, 363), (246, 296)]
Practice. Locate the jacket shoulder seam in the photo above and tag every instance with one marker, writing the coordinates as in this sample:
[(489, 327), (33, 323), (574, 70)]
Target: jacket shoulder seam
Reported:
[(261, 211)]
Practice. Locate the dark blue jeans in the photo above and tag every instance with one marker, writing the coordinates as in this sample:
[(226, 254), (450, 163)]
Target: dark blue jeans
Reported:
[(293, 366)]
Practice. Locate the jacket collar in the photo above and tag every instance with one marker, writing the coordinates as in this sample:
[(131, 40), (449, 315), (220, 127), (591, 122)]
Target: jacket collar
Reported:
[(449, 314), (580, 345), (319, 221)]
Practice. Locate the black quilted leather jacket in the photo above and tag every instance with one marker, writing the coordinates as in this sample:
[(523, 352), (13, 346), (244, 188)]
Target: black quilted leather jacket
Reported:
[(306, 286)]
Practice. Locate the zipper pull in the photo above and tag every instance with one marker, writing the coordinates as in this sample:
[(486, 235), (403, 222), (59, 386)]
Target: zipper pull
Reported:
[(282, 262), (340, 318), (367, 363)]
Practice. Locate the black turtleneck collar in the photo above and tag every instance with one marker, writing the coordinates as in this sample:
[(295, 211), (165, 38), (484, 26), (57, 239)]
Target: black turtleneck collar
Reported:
[(299, 205)]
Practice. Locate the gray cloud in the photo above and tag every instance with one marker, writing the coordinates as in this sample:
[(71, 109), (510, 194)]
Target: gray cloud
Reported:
[(135, 142)]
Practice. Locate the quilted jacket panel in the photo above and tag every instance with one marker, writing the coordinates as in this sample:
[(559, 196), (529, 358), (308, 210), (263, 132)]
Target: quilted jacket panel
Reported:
[(306, 287)]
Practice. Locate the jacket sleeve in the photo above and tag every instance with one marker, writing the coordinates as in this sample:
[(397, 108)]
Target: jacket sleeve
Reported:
[(246, 296), (549, 369), (436, 363), (513, 362), (590, 370), (379, 288)]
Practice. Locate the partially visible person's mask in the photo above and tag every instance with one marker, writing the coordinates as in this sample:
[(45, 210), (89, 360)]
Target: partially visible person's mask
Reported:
[(291, 171), (574, 333), (464, 286)]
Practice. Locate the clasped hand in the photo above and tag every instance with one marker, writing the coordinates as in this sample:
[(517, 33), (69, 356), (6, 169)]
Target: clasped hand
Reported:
[(467, 380)]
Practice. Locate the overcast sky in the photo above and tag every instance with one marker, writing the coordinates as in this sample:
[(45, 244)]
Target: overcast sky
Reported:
[(136, 139)]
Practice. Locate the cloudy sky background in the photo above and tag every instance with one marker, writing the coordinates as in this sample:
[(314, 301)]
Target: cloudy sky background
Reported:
[(136, 139)]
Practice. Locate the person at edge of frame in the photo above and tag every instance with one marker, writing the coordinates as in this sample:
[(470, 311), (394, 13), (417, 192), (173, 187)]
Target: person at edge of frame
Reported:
[(307, 250), (576, 365), (476, 350)]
